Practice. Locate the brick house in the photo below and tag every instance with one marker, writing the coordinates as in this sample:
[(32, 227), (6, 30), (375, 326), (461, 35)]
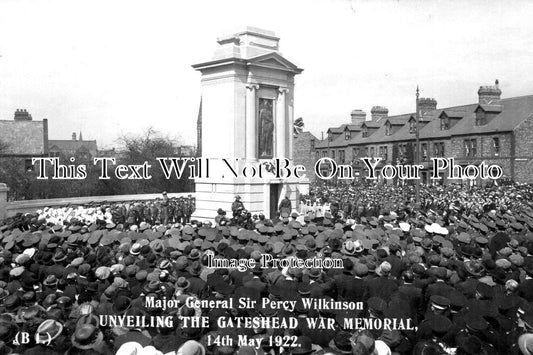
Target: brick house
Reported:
[(493, 130), (303, 147), (23, 138)]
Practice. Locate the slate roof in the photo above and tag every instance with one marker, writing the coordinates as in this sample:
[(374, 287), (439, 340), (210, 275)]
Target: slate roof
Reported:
[(509, 114), (72, 145)]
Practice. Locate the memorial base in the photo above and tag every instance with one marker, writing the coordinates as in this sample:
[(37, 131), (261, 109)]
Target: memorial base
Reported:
[(257, 196)]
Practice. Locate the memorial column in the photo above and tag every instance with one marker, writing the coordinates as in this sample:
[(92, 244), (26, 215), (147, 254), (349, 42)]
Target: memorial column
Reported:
[(281, 123), (251, 121)]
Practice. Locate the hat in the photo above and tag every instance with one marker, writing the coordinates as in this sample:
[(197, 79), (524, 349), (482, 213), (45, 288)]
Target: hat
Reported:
[(183, 283), (130, 348), (135, 249), (384, 268), (87, 336), (405, 227), (190, 347), (361, 270), (102, 272), (48, 331), (50, 281), (121, 304), (195, 269), (17, 271), (439, 302), (525, 343)]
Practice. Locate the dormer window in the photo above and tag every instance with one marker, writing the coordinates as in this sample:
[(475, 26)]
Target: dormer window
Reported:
[(365, 132), (412, 126), (347, 135), (444, 122), (330, 136), (481, 117), (312, 143), (388, 130)]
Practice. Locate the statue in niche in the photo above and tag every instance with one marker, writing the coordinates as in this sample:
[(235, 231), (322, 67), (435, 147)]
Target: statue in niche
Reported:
[(266, 128)]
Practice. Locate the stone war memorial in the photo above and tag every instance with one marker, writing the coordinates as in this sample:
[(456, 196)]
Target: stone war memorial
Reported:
[(247, 114)]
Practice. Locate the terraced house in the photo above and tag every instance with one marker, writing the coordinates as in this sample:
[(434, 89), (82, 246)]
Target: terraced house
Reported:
[(493, 130)]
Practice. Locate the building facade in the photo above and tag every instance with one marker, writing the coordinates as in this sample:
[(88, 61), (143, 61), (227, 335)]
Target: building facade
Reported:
[(23, 137), (303, 147), (493, 130), (75, 147)]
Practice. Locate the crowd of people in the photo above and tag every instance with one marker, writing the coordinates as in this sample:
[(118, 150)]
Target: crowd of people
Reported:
[(458, 264)]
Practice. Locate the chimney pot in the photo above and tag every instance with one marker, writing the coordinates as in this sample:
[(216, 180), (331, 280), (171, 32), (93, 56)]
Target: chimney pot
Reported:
[(426, 104), (490, 95), (379, 112), (358, 116)]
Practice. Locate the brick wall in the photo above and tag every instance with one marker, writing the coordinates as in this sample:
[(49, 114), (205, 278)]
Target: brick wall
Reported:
[(303, 153), (23, 137), (524, 151), (485, 151)]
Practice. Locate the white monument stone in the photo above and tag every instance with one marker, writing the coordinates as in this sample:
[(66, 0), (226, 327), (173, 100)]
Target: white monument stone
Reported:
[(247, 113)]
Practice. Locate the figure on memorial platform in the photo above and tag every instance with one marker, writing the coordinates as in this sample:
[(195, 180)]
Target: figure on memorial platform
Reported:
[(266, 134), (285, 206), (237, 206)]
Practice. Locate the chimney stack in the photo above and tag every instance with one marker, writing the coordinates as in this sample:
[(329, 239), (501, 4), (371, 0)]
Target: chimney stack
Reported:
[(379, 112), (73, 136), (426, 104), (22, 115), (358, 116), (490, 95)]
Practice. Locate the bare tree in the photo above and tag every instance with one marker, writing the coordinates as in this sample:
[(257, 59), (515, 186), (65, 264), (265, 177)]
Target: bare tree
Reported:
[(146, 147)]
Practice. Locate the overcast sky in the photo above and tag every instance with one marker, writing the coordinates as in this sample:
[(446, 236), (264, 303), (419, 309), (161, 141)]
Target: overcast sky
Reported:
[(109, 67)]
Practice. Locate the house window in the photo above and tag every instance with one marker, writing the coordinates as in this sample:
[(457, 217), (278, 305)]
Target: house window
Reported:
[(372, 152), (481, 118), (496, 145), (324, 153), (366, 152), (341, 156), (402, 151), (439, 149), (444, 123), (365, 132), (383, 152), (388, 129), (330, 136), (424, 149), (412, 126), (28, 166), (470, 147), (347, 135), (355, 152), (333, 154)]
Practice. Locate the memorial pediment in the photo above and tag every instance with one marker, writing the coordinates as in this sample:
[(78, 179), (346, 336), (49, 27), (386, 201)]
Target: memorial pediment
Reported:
[(274, 61)]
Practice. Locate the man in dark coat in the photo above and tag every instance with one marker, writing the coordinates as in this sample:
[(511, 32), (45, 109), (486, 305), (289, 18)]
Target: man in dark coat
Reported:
[(237, 206)]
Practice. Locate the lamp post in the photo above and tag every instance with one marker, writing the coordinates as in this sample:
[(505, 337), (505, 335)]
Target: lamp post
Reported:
[(417, 155)]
